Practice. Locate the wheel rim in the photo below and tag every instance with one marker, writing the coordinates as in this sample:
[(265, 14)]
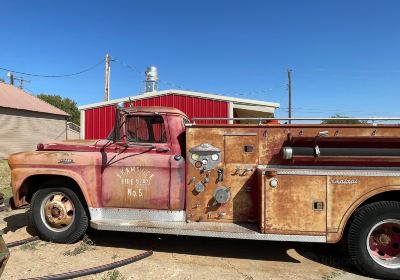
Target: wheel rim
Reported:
[(383, 243), (57, 212)]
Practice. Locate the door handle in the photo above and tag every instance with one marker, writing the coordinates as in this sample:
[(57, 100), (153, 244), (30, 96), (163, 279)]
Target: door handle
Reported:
[(162, 150)]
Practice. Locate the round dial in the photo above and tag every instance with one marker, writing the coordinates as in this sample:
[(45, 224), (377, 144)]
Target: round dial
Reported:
[(214, 157), (195, 157)]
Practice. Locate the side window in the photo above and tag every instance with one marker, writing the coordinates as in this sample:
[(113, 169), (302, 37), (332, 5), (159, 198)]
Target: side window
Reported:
[(160, 135), (146, 129)]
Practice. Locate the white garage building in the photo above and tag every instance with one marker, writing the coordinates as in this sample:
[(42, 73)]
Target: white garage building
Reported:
[(26, 120)]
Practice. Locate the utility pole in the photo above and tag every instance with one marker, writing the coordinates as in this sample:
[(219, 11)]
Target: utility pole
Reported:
[(289, 72), (107, 80), (20, 79), (21, 83), (11, 76)]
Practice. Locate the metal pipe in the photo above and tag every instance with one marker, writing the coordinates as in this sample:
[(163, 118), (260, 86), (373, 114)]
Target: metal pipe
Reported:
[(292, 152), (298, 119)]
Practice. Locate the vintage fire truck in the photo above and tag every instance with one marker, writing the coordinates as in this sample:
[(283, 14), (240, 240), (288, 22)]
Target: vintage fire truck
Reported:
[(160, 173)]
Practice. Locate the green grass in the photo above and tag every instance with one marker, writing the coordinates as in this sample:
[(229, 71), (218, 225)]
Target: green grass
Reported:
[(30, 246), (86, 245), (5, 179), (113, 275), (333, 275)]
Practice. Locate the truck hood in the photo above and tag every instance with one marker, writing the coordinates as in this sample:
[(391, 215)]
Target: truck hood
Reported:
[(72, 145)]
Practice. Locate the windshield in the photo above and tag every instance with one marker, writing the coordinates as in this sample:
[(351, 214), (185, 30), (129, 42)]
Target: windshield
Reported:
[(146, 129)]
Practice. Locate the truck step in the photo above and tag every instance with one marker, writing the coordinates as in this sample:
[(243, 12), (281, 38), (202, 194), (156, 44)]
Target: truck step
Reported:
[(206, 229)]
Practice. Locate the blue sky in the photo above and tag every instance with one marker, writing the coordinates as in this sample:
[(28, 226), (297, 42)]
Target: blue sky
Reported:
[(345, 55)]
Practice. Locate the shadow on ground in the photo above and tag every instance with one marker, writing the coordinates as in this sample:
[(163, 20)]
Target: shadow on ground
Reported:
[(327, 254), (227, 248), (331, 255), (17, 221)]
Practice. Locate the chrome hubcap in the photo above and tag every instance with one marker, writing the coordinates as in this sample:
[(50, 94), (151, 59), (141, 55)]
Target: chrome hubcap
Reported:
[(57, 212), (383, 243)]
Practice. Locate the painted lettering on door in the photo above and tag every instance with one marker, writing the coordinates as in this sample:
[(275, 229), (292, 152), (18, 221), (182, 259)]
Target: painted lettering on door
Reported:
[(136, 179)]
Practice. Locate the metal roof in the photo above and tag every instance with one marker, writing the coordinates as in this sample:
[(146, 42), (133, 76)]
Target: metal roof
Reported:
[(15, 98), (152, 109), (183, 92)]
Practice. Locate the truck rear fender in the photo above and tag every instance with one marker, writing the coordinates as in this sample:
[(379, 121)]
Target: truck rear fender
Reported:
[(386, 193)]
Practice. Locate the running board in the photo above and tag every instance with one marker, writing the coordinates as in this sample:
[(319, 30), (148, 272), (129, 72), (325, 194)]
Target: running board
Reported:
[(206, 229)]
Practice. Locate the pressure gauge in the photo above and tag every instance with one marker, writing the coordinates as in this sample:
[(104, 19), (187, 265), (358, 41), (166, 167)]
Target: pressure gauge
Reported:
[(214, 157), (195, 157)]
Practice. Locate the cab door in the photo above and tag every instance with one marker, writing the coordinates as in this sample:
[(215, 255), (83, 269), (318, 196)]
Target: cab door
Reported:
[(137, 173)]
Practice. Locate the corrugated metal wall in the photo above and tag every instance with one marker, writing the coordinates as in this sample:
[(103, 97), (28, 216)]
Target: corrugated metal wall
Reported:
[(99, 121), (22, 130)]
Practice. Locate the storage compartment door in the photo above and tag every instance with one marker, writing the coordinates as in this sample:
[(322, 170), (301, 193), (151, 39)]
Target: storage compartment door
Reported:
[(294, 204)]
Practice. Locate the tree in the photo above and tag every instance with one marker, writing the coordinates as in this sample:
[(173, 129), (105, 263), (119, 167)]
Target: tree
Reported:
[(343, 121), (65, 104)]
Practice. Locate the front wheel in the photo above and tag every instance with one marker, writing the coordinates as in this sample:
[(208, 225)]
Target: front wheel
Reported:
[(58, 215), (374, 239)]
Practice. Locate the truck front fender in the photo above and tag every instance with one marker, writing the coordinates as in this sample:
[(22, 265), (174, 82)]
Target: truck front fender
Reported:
[(24, 181)]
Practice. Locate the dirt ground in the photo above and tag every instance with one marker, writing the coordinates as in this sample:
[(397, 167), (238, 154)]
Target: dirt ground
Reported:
[(175, 257)]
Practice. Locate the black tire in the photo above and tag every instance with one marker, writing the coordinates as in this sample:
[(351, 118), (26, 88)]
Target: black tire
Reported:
[(75, 229), (364, 220)]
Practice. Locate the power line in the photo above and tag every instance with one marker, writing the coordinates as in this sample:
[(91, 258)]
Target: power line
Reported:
[(141, 73), (180, 87), (29, 90), (126, 65), (54, 76)]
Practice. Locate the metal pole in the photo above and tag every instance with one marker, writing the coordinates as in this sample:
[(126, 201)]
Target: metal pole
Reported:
[(11, 76), (107, 80), (290, 94)]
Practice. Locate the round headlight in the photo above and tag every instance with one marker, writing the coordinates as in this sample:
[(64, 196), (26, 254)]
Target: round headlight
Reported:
[(204, 161), (195, 156), (214, 157)]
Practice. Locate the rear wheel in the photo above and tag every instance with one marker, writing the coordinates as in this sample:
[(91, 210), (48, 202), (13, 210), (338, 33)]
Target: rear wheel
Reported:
[(58, 215), (374, 239)]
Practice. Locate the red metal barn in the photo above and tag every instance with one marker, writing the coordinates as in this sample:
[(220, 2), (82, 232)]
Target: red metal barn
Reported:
[(97, 119)]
